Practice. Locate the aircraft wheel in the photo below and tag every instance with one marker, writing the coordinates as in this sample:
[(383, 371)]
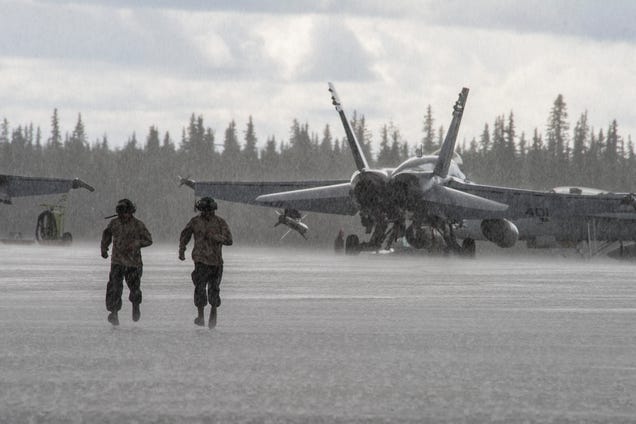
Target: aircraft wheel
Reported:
[(46, 228), (417, 237), (468, 247), (67, 238), (352, 245)]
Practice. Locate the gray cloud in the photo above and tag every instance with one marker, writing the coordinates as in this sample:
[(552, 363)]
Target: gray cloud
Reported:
[(127, 67), (143, 38), (335, 53), (47, 32), (357, 7), (607, 20)]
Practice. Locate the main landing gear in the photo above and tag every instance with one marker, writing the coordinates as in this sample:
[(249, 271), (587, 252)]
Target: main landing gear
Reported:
[(439, 239)]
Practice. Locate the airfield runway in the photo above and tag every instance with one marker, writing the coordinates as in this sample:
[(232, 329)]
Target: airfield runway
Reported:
[(307, 336)]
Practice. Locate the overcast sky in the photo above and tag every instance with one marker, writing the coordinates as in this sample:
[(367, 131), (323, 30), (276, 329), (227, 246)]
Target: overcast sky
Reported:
[(127, 65)]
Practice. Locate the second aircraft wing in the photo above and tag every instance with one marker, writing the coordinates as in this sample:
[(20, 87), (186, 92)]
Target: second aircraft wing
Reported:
[(544, 204), (17, 186)]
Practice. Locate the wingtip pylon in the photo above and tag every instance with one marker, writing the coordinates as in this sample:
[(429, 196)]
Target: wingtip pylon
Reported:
[(461, 101), (77, 183), (335, 100)]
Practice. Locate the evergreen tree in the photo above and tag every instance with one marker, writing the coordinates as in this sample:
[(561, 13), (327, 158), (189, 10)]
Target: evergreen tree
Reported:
[(556, 131), (326, 155), (29, 134), (499, 153), (509, 135), (581, 134), (56, 137), (428, 141), (250, 154), (152, 140), (326, 145), (538, 163), (384, 155), (405, 152), (440, 137), (484, 139), (269, 157), (611, 159), (131, 144), (78, 142), (399, 152), (611, 146), (510, 164), (4, 131), (167, 145), (522, 160), (38, 138), (104, 143), (362, 134), (231, 152)]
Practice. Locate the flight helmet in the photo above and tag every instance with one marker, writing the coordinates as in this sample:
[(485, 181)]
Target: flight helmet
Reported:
[(206, 204), (125, 206)]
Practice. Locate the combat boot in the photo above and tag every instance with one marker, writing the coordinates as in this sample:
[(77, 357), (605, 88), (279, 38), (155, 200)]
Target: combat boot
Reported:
[(136, 313), (199, 320), (212, 321), (113, 318)]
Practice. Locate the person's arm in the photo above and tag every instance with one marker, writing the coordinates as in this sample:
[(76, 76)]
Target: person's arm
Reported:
[(226, 234), (145, 239), (184, 239), (107, 237)]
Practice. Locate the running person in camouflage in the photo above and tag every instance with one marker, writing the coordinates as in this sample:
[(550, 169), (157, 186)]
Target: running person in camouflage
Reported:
[(210, 234), (128, 235)]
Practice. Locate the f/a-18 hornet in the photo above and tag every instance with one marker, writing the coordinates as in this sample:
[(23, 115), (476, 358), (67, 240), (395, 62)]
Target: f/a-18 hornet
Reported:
[(425, 199)]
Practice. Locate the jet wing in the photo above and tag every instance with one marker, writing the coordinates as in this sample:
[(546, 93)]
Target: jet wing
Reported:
[(544, 204), (334, 199), (16, 186), (331, 196), (458, 204)]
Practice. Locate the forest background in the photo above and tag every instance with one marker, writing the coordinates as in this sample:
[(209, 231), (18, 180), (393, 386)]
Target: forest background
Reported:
[(147, 170)]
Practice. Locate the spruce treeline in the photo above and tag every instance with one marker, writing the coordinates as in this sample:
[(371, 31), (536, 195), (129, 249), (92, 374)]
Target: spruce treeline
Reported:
[(146, 170)]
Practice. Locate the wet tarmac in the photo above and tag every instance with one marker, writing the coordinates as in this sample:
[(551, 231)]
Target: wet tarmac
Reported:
[(308, 336)]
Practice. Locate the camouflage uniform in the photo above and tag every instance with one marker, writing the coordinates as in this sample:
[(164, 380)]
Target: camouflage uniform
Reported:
[(128, 237), (210, 234)]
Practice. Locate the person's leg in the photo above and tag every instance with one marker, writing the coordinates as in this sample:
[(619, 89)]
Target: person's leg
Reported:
[(214, 279), (133, 280), (200, 297), (114, 290), (214, 282), (215, 287)]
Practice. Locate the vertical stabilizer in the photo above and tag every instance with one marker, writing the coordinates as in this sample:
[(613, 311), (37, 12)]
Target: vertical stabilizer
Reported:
[(358, 156), (448, 148)]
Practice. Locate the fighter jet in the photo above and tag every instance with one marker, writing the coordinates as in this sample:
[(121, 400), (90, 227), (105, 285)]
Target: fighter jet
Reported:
[(425, 199), (16, 186)]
